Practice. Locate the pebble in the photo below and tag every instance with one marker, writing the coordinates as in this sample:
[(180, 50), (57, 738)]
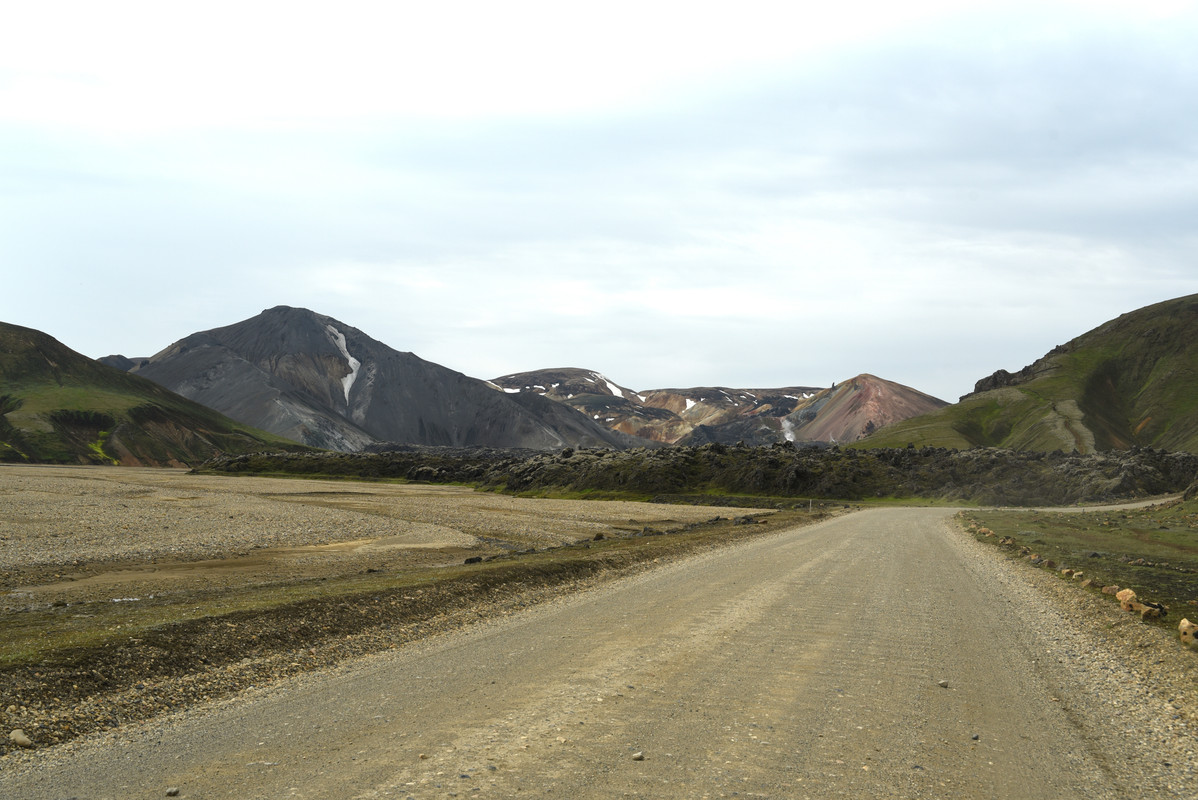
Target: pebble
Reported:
[(638, 756), (19, 738), (942, 684)]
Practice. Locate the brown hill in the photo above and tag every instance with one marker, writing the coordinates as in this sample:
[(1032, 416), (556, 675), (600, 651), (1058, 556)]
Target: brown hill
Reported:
[(857, 408)]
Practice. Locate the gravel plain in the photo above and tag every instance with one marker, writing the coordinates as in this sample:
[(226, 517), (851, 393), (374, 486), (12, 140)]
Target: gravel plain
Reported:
[(69, 533), (808, 659), (88, 547)]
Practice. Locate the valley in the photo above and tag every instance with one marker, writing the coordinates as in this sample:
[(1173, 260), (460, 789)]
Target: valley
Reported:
[(840, 657), (390, 563)]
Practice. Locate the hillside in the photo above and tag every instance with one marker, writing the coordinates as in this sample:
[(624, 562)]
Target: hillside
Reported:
[(666, 416), (59, 406), (316, 380), (1131, 382), (706, 414)]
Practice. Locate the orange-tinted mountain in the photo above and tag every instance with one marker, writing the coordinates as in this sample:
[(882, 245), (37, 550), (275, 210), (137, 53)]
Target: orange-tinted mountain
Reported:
[(858, 407)]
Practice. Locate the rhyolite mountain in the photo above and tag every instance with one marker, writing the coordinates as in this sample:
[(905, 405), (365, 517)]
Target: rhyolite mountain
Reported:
[(59, 406), (845, 412), (1132, 381), (318, 381), (701, 415)]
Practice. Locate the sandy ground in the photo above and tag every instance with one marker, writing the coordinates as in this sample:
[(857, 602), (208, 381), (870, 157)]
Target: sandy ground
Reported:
[(79, 533)]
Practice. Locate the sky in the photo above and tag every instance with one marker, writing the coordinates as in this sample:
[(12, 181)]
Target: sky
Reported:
[(752, 195)]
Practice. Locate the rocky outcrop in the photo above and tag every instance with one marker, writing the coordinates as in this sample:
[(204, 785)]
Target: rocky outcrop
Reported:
[(1001, 379), (984, 476), (122, 363), (1191, 491)]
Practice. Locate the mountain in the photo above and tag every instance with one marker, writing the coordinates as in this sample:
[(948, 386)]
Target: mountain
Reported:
[(719, 414), (600, 399), (856, 408), (122, 363), (845, 412), (59, 406), (316, 380), (1132, 381)]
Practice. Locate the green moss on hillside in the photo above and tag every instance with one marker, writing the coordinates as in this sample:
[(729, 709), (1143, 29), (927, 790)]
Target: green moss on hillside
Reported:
[(57, 406), (1132, 382)]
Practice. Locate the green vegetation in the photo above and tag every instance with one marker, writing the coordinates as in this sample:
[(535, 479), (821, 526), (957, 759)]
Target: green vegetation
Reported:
[(1152, 550), (1131, 382), (57, 406)]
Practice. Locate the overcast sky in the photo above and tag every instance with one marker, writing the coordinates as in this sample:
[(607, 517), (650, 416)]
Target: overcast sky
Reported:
[(675, 194)]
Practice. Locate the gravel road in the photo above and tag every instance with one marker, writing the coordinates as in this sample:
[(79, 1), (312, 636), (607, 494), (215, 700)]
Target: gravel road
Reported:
[(880, 654)]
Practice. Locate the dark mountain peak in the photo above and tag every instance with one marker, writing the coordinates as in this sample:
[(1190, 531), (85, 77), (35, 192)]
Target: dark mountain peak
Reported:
[(315, 379), (123, 363), (283, 330), (563, 383)]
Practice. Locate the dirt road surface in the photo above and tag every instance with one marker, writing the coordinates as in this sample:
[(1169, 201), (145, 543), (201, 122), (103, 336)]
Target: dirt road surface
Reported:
[(880, 654)]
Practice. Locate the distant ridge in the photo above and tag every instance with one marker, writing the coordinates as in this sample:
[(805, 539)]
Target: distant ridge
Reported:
[(702, 415), (59, 406), (1131, 382), (316, 380)]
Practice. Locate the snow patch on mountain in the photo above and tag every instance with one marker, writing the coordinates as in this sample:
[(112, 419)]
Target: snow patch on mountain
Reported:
[(611, 387), (355, 365)]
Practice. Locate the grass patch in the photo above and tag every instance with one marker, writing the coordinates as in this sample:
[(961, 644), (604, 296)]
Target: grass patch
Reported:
[(1153, 550)]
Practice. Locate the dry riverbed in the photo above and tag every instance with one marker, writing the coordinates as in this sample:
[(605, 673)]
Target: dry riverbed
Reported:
[(87, 532), (126, 593)]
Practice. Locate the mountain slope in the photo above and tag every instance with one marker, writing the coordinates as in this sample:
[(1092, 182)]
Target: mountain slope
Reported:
[(856, 408), (599, 399), (59, 406), (844, 412), (1132, 381), (700, 415), (316, 380)]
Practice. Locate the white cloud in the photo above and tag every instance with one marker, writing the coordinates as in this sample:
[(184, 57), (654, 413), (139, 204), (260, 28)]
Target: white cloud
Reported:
[(787, 193)]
